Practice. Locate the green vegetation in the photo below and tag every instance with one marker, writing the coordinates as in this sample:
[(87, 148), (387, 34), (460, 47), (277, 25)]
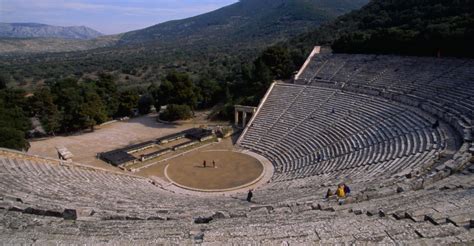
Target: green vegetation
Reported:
[(175, 112), (207, 65), (211, 45), (14, 123), (68, 105), (416, 27)]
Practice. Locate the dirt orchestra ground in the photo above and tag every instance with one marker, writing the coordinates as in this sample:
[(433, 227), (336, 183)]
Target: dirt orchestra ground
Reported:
[(233, 169)]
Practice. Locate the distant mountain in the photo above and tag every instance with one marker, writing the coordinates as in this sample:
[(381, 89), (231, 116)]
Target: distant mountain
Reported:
[(215, 44), (246, 21), (35, 30)]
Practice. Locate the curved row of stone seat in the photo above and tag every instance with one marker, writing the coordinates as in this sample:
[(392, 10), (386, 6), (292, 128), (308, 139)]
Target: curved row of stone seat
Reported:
[(324, 130), (442, 85), (45, 184), (142, 212), (408, 217)]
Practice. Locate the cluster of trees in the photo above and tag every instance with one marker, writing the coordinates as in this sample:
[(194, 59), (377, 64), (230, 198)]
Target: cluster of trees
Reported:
[(62, 106), (415, 27), (14, 123), (183, 95), (203, 77), (68, 105)]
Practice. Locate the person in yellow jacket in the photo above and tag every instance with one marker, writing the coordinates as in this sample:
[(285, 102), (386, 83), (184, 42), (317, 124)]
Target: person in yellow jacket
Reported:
[(341, 193)]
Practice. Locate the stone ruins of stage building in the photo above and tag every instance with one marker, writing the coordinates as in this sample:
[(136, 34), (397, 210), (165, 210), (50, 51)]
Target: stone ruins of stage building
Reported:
[(244, 110)]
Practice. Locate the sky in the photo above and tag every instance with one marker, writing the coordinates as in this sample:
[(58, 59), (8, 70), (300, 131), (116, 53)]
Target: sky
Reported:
[(106, 16)]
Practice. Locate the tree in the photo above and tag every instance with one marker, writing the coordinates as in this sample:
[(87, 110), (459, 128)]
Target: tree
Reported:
[(13, 121), (3, 81), (175, 112), (183, 90), (165, 93), (43, 107), (155, 94), (277, 58), (144, 104), (210, 92), (262, 77), (128, 100), (13, 139), (92, 111), (106, 88)]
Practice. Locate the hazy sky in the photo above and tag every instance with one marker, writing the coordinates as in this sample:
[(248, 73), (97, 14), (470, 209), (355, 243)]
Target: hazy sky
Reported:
[(106, 16)]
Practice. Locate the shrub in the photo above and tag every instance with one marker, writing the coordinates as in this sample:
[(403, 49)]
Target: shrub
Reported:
[(175, 112)]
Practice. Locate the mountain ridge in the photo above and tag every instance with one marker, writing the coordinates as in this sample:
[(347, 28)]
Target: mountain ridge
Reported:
[(39, 30)]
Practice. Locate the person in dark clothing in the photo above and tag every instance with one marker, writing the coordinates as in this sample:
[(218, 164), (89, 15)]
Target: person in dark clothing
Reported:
[(214, 164), (328, 194), (347, 190), (435, 125), (204, 163), (249, 196)]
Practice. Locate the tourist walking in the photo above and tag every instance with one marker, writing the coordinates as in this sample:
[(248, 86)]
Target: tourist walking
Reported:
[(204, 163), (213, 164), (249, 196)]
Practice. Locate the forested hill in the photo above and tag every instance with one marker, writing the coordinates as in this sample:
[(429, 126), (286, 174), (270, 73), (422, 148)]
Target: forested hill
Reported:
[(36, 30), (213, 44), (246, 21), (414, 27)]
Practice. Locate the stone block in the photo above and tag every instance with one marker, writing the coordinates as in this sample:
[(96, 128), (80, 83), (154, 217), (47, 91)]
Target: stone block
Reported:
[(418, 215), (436, 218), (220, 215), (440, 168), (12, 199), (69, 214), (199, 236), (417, 184), (238, 215), (325, 207), (463, 220), (258, 207), (283, 210), (84, 213), (399, 215), (203, 220), (358, 211), (372, 212)]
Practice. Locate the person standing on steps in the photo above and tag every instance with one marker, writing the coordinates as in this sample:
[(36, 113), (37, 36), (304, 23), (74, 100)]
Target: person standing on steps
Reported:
[(204, 163), (249, 196)]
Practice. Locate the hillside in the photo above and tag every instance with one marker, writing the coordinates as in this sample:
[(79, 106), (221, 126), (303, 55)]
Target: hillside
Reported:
[(246, 21), (417, 27), (215, 44), (36, 30)]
